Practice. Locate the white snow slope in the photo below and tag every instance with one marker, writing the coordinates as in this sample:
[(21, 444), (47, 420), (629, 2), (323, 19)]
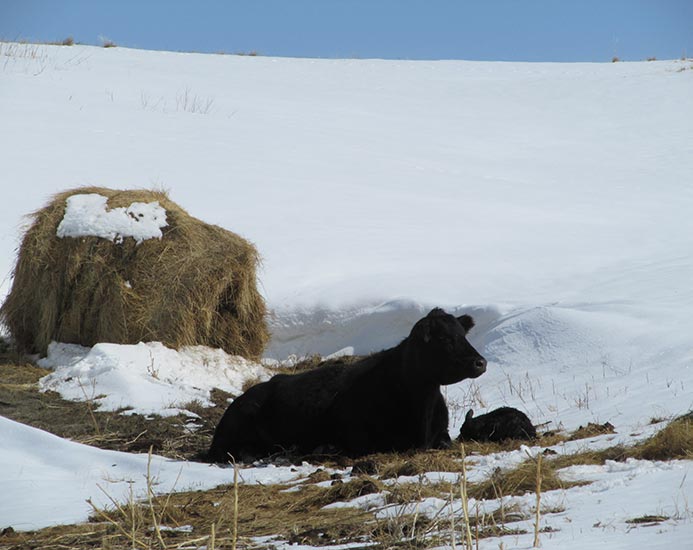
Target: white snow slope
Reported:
[(551, 201), (47, 480)]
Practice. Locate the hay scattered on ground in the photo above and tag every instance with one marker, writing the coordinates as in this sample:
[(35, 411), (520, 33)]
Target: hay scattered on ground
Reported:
[(296, 516), (394, 465), (188, 519), (592, 429), (195, 285), (339, 491), (177, 436), (521, 480), (675, 441)]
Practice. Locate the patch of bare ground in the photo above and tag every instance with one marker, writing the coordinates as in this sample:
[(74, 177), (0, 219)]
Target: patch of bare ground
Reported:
[(197, 519), (591, 430), (234, 516), (675, 441), (175, 437)]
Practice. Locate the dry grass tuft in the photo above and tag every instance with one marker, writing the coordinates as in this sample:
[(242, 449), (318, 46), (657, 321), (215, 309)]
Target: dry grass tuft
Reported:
[(21, 400), (648, 520), (339, 491), (520, 480), (315, 361), (617, 453), (319, 476), (394, 465), (195, 519), (675, 441), (592, 429), (196, 285), (299, 517), (489, 447), (296, 516)]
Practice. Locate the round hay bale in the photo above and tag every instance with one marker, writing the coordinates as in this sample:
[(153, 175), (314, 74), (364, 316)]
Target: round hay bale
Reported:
[(194, 285)]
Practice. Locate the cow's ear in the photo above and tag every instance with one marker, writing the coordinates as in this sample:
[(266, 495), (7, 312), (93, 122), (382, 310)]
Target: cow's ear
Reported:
[(466, 321), (470, 414)]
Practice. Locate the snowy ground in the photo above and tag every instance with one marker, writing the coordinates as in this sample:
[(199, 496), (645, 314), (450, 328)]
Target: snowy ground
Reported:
[(144, 378), (47, 480), (551, 201)]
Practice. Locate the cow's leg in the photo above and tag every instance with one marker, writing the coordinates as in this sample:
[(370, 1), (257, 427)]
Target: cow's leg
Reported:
[(241, 434), (227, 436), (440, 438)]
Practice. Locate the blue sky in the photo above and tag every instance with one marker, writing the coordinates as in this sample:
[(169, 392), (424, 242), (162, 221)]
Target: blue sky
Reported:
[(509, 30)]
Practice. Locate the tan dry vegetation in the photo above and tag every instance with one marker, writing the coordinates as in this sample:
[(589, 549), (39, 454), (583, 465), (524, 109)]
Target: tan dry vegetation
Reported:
[(315, 361), (394, 465), (647, 520), (591, 430), (519, 480), (262, 511), (196, 285), (21, 400), (415, 463), (339, 491), (617, 453), (675, 441), (296, 516), (489, 447), (312, 527)]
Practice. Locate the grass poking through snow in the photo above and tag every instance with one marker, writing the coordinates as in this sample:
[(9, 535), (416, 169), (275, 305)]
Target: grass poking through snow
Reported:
[(296, 513)]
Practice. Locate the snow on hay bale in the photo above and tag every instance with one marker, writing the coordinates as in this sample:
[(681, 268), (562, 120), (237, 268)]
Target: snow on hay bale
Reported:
[(154, 274)]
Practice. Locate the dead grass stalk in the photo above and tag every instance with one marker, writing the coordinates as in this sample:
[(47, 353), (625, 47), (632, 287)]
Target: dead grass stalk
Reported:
[(465, 501), (537, 515)]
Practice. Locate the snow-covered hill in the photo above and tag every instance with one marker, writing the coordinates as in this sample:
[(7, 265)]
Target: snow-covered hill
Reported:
[(551, 201)]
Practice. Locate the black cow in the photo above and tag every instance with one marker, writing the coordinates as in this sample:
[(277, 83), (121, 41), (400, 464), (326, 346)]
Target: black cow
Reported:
[(388, 401), (499, 425)]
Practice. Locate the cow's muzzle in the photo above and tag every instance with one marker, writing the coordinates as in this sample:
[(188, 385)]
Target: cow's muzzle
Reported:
[(479, 367)]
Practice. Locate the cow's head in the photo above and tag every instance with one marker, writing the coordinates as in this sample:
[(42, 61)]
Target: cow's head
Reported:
[(439, 342), (468, 429)]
